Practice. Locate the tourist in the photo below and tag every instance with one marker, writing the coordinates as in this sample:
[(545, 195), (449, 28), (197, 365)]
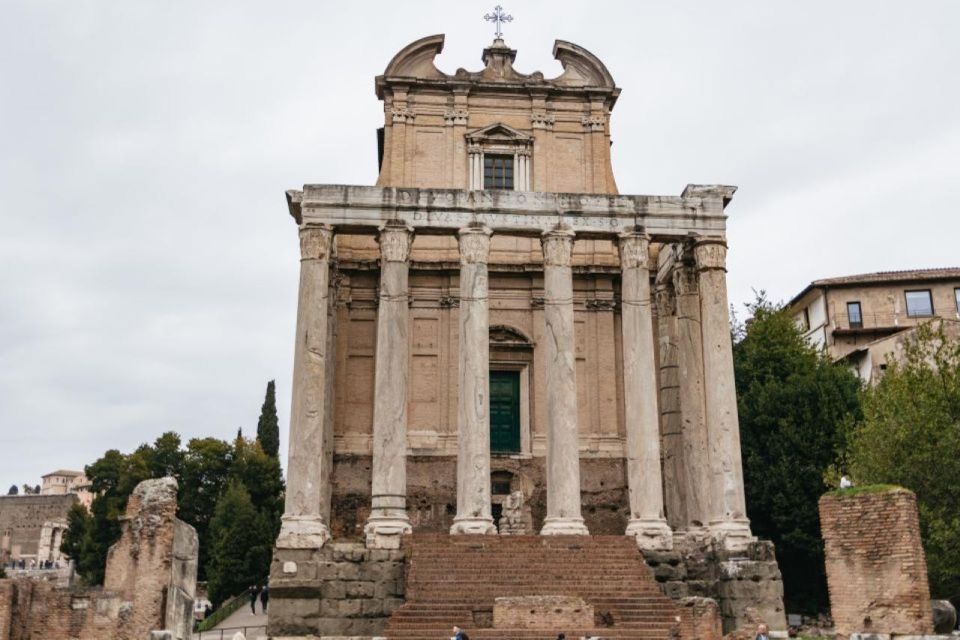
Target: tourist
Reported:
[(458, 634), (264, 597), (763, 633), (254, 591)]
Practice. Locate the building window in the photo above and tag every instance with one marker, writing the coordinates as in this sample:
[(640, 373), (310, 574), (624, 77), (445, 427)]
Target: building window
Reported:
[(854, 315), (497, 172), (919, 303), (956, 294), (806, 319)]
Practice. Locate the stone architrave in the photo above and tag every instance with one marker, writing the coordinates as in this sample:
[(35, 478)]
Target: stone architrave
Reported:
[(302, 524), (388, 510), (641, 414), (563, 456), (473, 459), (729, 522)]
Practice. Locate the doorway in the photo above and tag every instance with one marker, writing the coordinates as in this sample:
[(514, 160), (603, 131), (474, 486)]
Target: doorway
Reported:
[(505, 412)]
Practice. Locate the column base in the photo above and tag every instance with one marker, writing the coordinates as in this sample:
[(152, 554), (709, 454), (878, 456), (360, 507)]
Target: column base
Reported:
[(652, 535), (473, 526), (732, 535), (564, 526), (385, 531), (302, 532)]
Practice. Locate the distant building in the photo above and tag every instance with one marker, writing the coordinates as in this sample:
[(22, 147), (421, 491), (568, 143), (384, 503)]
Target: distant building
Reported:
[(860, 318), (64, 481)]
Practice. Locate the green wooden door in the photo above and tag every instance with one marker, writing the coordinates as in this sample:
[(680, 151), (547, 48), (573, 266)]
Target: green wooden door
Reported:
[(505, 411)]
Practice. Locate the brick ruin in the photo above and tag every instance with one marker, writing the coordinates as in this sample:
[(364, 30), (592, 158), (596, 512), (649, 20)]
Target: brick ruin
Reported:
[(150, 582), (876, 568), (22, 523)]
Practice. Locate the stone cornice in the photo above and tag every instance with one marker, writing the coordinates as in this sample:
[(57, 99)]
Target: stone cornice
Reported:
[(357, 209)]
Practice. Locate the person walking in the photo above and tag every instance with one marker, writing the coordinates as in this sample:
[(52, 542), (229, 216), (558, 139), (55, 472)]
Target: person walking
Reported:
[(264, 598), (763, 632), (254, 591)]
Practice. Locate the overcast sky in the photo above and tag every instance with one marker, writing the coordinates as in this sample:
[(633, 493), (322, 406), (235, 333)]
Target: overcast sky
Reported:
[(148, 266)]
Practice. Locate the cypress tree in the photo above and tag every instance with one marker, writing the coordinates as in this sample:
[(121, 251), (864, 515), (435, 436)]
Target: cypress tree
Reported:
[(268, 429)]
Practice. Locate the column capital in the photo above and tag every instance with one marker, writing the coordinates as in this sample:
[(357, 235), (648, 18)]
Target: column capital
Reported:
[(634, 250), (710, 253), (557, 247), (474, 244), (665, 300), (316, 242), (685, 280), (395, 240)]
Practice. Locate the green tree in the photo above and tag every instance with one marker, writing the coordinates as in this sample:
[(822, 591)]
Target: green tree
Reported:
[(910, 436), (203, 479), (13, 490), (240, 545), (268, 428), (76, 536), (794, 406)]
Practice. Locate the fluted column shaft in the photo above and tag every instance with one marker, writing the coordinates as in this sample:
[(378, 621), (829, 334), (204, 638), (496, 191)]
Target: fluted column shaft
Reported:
[(473, 459), (563, 456), (729, 521), (641, 414), (388, 514), (302, 524)]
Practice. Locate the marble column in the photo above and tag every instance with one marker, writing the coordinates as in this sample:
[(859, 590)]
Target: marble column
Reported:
[(563, 456), (670, 420), (302, 525), (697, 480), (388, 513), (729, 522), (641, 415), (473, 456)]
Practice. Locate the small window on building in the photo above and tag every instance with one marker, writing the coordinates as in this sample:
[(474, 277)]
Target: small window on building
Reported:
[(497, 172), (806, 319), (854, 315), (919, 303), (956, 294)]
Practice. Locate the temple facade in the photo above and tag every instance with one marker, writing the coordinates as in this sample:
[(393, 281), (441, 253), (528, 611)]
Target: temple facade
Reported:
[(493, 340)]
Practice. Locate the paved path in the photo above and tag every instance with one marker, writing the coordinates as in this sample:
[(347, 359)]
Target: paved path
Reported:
[(255, 624)]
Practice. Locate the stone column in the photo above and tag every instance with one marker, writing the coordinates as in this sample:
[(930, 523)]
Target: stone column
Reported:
[(697, 479), (388, 513), (729, 522), (563, 456), (641, 415), (473, 458), (674, 490), (302, 525)]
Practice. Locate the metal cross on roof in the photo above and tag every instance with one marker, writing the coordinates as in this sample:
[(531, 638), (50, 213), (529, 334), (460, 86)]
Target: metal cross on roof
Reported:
[(498, 17)]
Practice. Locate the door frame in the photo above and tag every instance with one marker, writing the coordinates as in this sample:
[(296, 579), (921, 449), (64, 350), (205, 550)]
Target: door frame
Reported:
[(524, 369)]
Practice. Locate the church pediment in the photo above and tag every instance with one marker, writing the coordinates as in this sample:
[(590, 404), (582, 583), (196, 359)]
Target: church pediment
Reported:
[(498, 132)]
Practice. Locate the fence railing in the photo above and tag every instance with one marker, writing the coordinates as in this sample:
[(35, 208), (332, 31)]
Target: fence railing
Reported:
[(227, 633), (222, 613), (875, 320)]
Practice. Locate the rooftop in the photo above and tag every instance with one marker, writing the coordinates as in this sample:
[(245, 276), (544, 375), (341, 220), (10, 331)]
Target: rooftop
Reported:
[(63, 472), (880, 277)]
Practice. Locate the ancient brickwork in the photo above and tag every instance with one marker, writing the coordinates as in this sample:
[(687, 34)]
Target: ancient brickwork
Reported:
[(431, 493), (150, 582), (700, 619), (22, 519), (343, 589), (876, 569), (747, 585)]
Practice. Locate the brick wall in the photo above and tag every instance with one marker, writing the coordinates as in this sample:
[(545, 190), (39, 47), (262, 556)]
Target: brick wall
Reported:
[(700, 619), (150, 582), (876, 569), (23, 517)]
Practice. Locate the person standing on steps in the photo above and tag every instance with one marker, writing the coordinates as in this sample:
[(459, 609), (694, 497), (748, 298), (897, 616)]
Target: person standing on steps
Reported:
[(264, 597), (458, 634), (254, 591), (763, 633)]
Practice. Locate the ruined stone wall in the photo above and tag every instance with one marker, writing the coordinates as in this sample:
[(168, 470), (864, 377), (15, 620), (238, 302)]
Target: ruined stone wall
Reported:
[(700, 619), (432, 494), (150, 582), (343, 589), (876, 568), (24, 516), (746, 585)]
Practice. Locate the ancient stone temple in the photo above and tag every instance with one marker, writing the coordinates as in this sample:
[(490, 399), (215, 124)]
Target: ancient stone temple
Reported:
[(494, 345)]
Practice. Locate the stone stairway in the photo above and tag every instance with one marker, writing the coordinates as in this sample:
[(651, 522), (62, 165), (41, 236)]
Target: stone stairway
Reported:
[(453, 580)]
